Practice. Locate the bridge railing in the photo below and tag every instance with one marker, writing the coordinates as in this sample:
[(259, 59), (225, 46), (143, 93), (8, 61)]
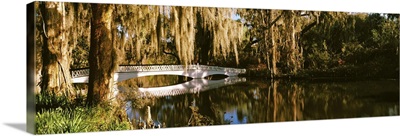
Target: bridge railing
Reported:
[(79, 73), (150, 68), (85, 72)]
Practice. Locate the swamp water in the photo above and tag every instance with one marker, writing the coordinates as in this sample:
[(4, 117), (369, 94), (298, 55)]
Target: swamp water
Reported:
[(181, 102)]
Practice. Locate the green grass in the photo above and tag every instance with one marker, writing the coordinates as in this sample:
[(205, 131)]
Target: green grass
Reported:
[(79, 119), (59, 114)]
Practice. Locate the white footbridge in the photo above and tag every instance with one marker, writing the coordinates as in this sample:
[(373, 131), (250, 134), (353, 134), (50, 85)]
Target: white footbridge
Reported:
[(193, 71)]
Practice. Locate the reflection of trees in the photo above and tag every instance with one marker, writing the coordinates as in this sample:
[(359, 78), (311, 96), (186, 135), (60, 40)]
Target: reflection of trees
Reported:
[(271, 102), (174, 111), (291, 101), (252, 102), (280, 100), (350, 99), (285, 102)]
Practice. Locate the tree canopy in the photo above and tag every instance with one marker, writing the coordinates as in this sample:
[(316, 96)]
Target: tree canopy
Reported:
[(272, 43)]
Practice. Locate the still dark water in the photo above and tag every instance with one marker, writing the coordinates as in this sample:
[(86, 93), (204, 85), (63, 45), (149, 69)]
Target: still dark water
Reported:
[(260, 101)]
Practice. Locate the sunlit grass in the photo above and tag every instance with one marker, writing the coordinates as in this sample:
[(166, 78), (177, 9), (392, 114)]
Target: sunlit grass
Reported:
[(60, 114), (79, 119)]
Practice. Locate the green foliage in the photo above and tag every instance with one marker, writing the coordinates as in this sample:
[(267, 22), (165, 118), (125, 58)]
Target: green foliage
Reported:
[(80, 54), (79, 119), (60, 114), (61, 121), (318, 58), (48, 100), (364, 44)]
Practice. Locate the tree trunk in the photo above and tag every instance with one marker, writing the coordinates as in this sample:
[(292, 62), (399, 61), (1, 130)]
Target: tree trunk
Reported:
[(56, 50), (294, 52), (267, 32), (101, 58), (274, 52), (274, 71)]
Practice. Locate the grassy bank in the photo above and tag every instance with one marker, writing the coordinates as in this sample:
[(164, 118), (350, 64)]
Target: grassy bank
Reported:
[(60, 114), (79, 119)]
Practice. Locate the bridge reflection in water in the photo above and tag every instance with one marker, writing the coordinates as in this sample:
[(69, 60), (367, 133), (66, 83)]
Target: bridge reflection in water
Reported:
[(193, 86)]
